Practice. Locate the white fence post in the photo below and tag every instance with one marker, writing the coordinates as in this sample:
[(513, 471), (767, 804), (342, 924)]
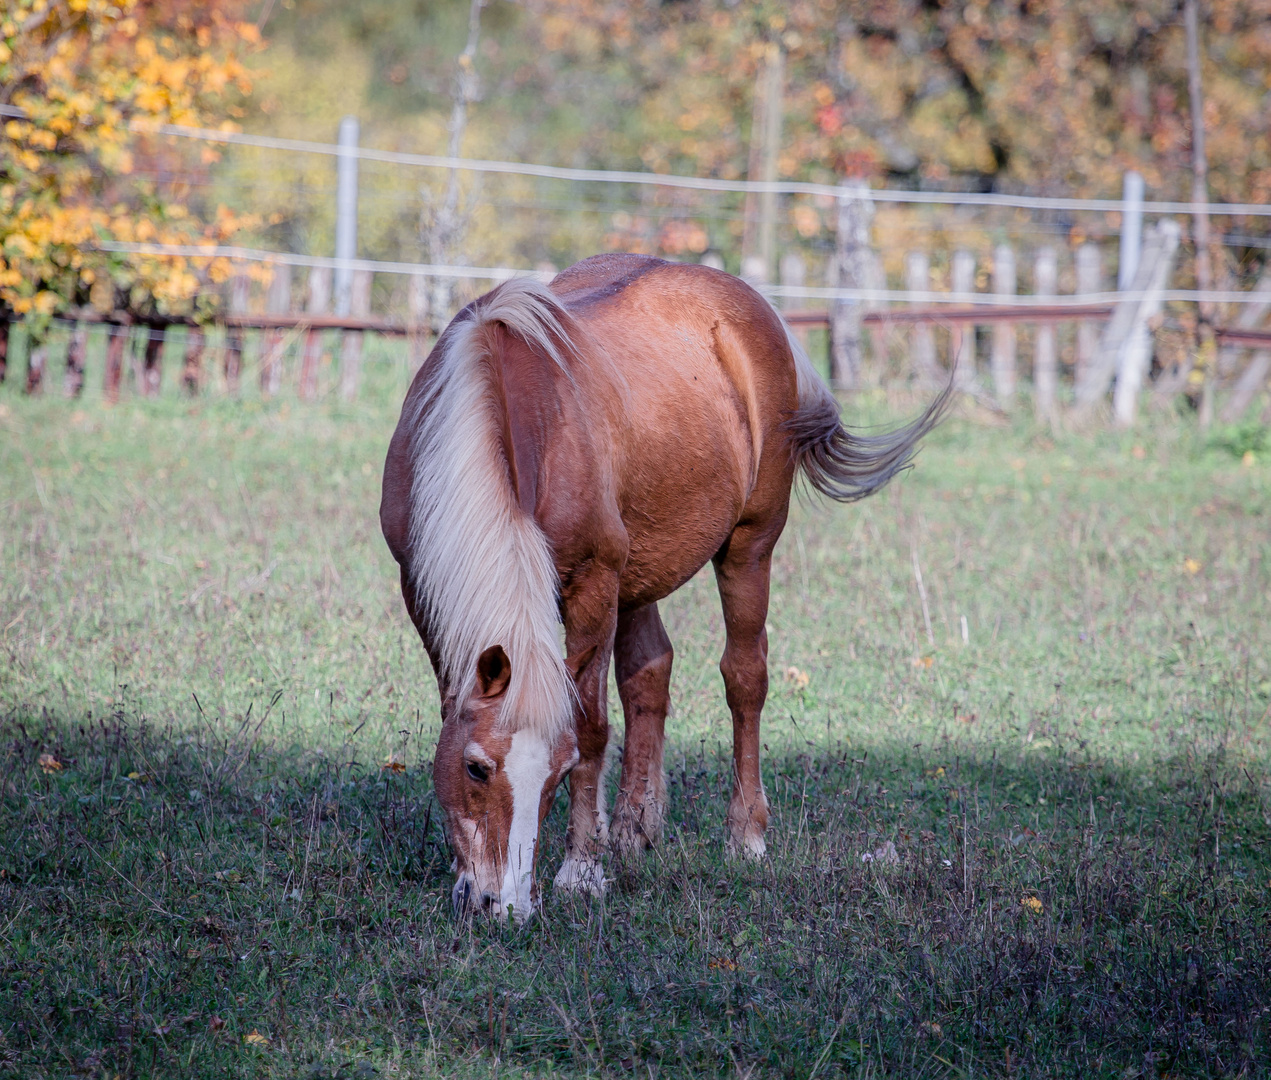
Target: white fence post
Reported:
[(922, 339), (1131, 229), (1004, 284), (351, 346), (417, 319), (1045, 366), (963, 334), (319, 302), (277, 302), (1125, 343), (1089, 280), (851, 268), (346, 213)]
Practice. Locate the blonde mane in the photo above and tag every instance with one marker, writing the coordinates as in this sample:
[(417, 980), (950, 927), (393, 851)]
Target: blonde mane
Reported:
[(481, 566)]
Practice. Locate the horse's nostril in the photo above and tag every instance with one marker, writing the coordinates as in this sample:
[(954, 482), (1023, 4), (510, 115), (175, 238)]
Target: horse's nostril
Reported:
[(487, 901), (461, 896)]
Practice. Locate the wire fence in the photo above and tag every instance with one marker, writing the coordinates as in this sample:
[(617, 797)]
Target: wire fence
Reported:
[(968, 264)]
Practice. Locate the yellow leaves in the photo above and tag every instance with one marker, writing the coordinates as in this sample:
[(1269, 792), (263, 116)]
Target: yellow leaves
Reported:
[(1031, 904), (153, 99), (249, 32), (1191, 566), (49, 764), (220, 271), (807, 221), (255, 1038), (393, 765)]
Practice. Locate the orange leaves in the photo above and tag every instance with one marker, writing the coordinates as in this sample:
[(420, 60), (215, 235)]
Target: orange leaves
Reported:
[(49, 764)]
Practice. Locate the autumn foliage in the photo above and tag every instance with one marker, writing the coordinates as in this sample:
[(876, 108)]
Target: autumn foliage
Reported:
[(82, 82)]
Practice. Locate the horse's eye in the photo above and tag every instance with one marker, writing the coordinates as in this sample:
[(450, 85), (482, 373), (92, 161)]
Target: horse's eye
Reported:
[(478, 772)]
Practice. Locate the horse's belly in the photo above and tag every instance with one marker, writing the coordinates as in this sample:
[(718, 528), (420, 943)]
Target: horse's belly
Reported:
[(680, 510)]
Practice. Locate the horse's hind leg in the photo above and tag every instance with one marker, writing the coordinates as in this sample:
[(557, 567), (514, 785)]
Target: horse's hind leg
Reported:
[(642, 659), (742, 569)]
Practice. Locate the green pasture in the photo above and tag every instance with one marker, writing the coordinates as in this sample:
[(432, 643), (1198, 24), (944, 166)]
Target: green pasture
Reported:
[(230, 863)]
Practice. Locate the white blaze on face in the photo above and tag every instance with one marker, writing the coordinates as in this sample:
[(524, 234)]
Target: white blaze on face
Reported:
[(527, 767)]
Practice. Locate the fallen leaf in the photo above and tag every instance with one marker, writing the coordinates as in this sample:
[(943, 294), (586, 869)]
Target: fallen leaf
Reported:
[(393, 765), (255, 1038), (1191, 566), (1249, 459), (1031, 903), (1139, 453), (215, 1024), (885, 854), (49, 763), (721, 963), (798, 679), (923, 661)]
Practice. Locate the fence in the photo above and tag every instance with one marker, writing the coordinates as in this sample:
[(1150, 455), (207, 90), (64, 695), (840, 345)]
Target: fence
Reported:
[(1081, 342)]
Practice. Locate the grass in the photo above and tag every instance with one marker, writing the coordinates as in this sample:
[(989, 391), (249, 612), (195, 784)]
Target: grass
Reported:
[(200, 624)]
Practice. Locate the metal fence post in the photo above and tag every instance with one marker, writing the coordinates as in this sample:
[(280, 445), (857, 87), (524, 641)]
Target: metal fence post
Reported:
[(346, 213)]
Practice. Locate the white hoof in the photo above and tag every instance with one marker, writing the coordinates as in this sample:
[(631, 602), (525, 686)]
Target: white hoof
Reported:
[(750, 848), (578, 875)]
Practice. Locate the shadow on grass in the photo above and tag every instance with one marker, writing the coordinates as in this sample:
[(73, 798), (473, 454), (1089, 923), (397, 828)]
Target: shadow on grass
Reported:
[(201, 902)]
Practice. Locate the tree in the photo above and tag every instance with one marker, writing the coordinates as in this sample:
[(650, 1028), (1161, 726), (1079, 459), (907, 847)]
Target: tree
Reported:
[(82, 80)]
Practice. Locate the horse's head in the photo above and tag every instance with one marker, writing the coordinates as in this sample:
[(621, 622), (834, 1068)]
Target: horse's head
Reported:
[(495, 784)]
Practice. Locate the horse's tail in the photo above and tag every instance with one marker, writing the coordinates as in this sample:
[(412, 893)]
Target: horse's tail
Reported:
[(836, 462)]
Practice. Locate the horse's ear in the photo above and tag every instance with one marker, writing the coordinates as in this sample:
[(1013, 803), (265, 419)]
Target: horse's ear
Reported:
[(494, 671), (575, 664)]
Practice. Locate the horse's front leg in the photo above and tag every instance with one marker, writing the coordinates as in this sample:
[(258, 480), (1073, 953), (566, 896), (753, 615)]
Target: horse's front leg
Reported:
[(590, 606)]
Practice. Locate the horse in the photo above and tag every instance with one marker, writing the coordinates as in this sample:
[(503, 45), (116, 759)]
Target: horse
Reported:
[(573, 453)]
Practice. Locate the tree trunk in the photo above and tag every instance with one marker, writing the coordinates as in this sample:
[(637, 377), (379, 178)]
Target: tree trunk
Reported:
[(116, 340), (73, 380), (1206, 350), (36, 357), (238, 290), (442, 231), (152, 363), (192, 376)]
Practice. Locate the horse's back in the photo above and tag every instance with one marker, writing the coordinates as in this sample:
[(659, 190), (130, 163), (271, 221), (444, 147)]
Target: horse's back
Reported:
[(703, 377)]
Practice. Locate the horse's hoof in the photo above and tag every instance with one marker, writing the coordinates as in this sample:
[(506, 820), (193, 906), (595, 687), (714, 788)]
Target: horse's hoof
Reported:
[(749, 847), (632, 832), (580, 875)]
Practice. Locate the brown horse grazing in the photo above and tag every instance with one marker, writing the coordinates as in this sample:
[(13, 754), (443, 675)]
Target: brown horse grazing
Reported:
[(576, 452)]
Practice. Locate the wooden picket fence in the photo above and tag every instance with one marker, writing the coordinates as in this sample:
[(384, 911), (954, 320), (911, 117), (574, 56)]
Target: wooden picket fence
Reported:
[(1112, 345)]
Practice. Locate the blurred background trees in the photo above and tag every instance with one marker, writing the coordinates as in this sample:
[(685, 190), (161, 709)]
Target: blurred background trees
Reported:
[(81, 79), (1055, 98)]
